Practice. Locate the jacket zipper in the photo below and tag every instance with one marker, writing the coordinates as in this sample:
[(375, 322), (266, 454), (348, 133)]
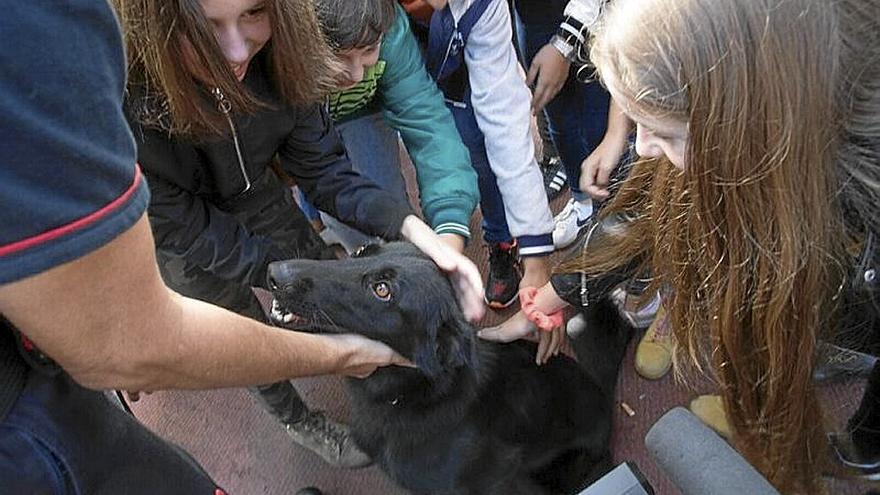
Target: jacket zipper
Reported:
[(225, 108)]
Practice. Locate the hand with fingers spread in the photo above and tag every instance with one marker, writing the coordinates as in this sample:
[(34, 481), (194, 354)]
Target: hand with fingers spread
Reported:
[(550, 343), (544, 302), (518, 327), (459, 268), (547, 74)]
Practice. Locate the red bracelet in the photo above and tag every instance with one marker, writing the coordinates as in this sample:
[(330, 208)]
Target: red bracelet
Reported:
[(543, 321)]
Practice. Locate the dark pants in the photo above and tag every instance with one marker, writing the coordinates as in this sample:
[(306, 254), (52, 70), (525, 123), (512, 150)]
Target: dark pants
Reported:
[(60, 438), (269, 211), (578, 116), (494, 225)]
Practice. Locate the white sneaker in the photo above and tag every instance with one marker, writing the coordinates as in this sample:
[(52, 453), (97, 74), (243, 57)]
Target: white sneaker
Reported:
[(570, 221)]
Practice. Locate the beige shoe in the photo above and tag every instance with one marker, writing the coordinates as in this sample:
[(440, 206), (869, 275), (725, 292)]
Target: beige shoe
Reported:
[(654, 352), (710, 410)]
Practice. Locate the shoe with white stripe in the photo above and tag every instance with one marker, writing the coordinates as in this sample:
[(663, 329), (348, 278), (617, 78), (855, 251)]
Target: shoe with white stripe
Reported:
[(573, 218), (555, 178)]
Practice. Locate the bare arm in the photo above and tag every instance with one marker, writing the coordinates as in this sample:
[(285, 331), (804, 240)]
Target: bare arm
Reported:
[(109, 320)]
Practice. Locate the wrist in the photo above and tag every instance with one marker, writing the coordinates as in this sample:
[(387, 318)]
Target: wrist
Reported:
[(567, 50), (545, 319), (411, 226), (454, 241)]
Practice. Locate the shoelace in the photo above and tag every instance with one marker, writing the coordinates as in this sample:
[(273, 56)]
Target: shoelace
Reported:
[(331, 435), (663, 330), (569, 210)]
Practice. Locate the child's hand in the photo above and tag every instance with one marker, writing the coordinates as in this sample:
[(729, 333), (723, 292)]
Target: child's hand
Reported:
[(516, 327), (550, 343), (597, 168), (548, 73)]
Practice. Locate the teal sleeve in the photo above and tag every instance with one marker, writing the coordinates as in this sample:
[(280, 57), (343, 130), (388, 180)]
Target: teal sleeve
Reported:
[(413, 105)]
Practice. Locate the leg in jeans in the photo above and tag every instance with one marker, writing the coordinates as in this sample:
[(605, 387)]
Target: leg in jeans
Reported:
[(495, 228), (62, 438), (578, 115), (504, 276), (374, 151)]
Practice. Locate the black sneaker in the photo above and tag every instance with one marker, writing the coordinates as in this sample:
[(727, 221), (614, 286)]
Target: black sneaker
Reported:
[(502, 285), (555, 179)]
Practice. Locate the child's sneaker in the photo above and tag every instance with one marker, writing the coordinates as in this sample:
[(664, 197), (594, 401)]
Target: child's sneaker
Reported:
[(555, 178), (710, 409), (502, 284), (654, 352), (571, 221)]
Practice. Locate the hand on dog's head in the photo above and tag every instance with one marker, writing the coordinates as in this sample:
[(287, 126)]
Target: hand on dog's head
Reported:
[(391, 293)]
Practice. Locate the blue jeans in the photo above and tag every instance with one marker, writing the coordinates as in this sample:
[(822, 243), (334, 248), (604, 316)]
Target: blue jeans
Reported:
[(578, 116), (373, 148), (63, 439), (494, 225)]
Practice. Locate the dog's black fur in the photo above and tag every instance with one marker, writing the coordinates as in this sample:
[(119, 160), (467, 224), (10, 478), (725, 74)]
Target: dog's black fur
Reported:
[(474, 417)]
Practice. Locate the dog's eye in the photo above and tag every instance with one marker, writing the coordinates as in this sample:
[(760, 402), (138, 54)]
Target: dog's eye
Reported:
[(382, 290)]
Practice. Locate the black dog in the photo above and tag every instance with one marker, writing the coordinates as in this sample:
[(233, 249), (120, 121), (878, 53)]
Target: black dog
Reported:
[(473, 417)]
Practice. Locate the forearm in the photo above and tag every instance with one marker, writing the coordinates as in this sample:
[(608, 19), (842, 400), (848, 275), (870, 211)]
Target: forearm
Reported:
[(547, 301), (209, 347), (112, 323), (619, 125)]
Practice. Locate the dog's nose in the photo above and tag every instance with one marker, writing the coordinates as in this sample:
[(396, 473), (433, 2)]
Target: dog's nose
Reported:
[(279, 274)]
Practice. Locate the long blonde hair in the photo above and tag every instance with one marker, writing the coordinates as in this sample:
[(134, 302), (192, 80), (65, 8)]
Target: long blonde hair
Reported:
[(750, 237), (155, 32)]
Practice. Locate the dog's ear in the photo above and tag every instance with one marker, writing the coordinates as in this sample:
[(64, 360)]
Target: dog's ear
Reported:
[(448, 347)]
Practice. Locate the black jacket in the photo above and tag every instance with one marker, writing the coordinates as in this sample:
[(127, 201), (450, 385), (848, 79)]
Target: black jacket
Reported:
[(200, 189), (579, 290), (857, 324)]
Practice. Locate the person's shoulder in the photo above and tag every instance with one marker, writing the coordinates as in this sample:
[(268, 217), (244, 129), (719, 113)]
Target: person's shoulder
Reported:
[(396, 34), (69, 182)]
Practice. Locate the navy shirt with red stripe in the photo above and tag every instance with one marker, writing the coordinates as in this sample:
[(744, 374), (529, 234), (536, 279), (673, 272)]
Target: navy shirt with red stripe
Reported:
[(68, 179)]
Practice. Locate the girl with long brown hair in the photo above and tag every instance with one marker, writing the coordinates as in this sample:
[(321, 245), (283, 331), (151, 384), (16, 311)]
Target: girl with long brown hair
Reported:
[(758, 125), (220, 93)]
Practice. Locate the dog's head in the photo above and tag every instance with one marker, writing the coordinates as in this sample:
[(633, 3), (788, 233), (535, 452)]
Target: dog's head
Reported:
[(391, 293)]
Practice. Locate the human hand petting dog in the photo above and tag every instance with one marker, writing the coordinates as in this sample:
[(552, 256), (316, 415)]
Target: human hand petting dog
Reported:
[(464, 274), (518, 327), (364, 356)]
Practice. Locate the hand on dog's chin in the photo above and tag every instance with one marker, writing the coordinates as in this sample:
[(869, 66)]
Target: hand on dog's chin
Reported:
[(363, 356)]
